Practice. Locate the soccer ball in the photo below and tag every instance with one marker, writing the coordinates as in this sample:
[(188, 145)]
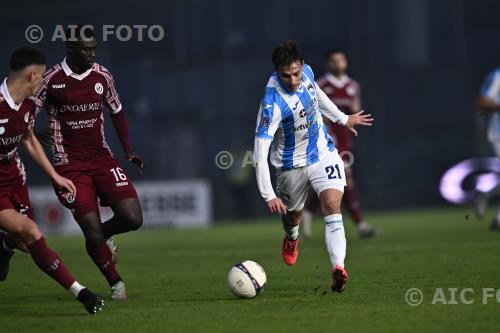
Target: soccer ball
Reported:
[(246, 279)]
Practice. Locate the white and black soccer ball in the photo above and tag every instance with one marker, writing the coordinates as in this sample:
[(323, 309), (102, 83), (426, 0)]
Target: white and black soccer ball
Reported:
[(246, 279)]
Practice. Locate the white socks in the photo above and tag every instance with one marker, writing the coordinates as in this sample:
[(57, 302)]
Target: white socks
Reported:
[(75, 288), (335, 239), (292, 232)]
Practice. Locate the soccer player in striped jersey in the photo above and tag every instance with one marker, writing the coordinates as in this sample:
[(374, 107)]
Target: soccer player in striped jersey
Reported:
[(74, 93), (303, 153), (18, 229)]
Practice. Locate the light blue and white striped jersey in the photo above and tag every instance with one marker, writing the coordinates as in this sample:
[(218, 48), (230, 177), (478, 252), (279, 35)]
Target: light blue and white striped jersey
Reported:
[(295, 122), (491, 89)]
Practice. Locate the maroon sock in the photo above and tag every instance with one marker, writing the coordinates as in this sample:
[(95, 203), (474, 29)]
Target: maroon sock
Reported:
[(112, 227), (49, 262), (352, 204), (101, 255)]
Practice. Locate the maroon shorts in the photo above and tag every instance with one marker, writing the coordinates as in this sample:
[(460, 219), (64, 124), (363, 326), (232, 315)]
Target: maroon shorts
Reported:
[(16, 198), (104, 180)]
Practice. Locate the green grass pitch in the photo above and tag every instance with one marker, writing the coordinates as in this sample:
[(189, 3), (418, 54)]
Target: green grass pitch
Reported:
[(176, 280)]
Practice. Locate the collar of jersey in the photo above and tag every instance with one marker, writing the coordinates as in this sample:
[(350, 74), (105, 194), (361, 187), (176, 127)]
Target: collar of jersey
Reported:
[(69, 72), (5, 92), (339, 83)]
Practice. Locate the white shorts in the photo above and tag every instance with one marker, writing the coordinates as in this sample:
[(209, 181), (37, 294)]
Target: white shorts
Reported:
[(293, 185)]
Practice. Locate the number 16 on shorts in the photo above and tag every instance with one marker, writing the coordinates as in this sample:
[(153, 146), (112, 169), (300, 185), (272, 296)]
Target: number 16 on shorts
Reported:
[(120, 176)]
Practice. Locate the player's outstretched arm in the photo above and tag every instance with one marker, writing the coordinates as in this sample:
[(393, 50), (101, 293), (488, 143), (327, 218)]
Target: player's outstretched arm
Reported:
[(260, 152), (36, 152), (359, 119), (329, 109)]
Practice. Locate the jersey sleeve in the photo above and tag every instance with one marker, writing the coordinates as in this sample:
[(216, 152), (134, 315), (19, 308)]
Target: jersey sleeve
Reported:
[(269, 117), (491, 86), (112, 99), (329, 109), (41, 95)]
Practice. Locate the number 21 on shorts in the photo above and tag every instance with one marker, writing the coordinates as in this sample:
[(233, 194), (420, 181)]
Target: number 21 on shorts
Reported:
[(333, 172), (118, 173)]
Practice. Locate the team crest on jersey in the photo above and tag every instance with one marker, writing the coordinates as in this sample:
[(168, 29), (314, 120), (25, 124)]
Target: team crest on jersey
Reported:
[(99, 88), (310, 87), (2, 130), (26, 117)]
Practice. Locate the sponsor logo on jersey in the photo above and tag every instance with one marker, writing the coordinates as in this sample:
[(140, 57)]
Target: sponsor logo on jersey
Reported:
[(99, 88), (11, 140), (81, 107), (26, 117), (302, 113), (4, 121), (58, 86), (304, 126)]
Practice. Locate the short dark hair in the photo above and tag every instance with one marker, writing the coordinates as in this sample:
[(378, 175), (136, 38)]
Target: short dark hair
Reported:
[(287, 53), (24, 57), (88, 33), (334, 51)]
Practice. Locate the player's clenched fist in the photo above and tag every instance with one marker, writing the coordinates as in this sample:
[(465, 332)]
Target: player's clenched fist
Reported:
[(276, 206)]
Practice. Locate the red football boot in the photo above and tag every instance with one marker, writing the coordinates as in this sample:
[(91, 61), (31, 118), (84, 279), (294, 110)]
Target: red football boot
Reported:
[(340, 278), (290, 251)]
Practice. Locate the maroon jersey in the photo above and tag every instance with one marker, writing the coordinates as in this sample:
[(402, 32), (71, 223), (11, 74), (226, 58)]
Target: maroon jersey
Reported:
[(15, 120), (75, 104), (345, 93)]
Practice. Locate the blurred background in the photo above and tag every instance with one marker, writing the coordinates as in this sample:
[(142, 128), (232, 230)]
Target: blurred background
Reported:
[(196, 92)]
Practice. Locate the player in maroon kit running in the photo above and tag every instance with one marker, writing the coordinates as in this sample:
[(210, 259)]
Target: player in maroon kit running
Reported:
[(17, 109), (74, 94), (345, 93)]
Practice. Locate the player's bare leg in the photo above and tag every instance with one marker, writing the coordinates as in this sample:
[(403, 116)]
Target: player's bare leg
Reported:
[(128, 217), (98, 250), (336, 244), (290, 247), (45, 258)]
